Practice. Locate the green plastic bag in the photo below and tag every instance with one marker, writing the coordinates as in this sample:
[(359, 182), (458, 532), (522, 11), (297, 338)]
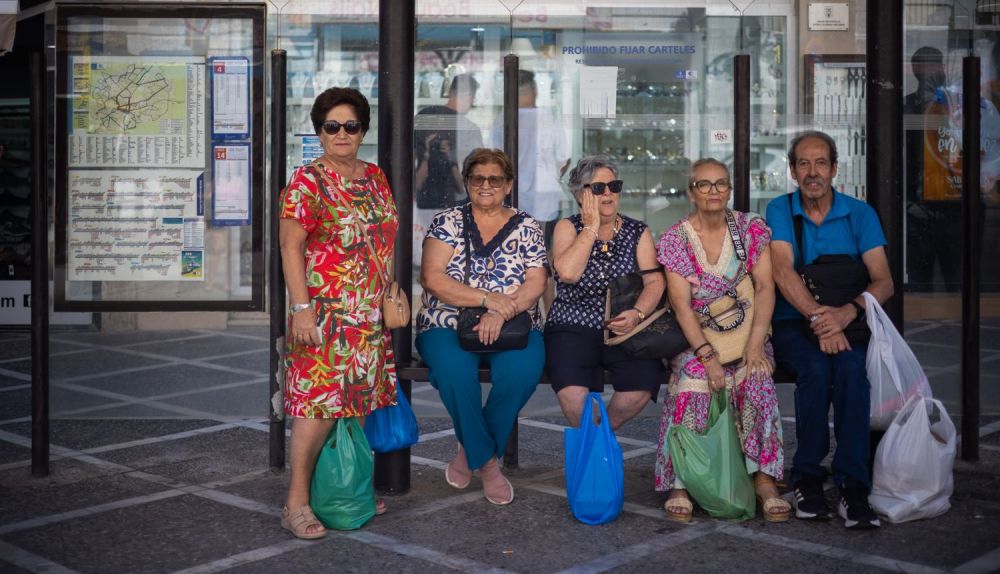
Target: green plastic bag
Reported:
[(342, 494), (712, 465)]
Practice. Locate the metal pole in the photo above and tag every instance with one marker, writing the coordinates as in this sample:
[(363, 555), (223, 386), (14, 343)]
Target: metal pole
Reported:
[(397, 45), (972, 245), (741, 131), (884, 111), (275, 276), (39, 272), (510, 116)]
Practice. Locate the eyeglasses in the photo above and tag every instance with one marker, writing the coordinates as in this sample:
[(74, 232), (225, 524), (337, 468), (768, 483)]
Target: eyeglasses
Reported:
[(332, 127), (597, 187), (704, 186), (495, 181)]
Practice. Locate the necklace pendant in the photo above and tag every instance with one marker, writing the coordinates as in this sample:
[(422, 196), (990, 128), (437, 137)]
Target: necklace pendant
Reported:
[(601, 275), (604, 248)]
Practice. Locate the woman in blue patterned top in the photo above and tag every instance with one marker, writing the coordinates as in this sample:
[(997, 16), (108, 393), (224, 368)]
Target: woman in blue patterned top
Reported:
[(508, 273), (590, 249)]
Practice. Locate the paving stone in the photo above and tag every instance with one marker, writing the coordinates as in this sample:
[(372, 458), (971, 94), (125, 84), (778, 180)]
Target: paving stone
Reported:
[(246, 401), (130, 411), (10, 452), (124, 338), (6, 381), (84, 364), (258, 361), (168, 379), (161, 536), (15, 404), (200, 347), (84, 434)]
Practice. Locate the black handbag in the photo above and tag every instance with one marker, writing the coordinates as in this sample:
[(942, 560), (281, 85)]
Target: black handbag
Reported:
[(834, 280), (514, 332), (656, 337)]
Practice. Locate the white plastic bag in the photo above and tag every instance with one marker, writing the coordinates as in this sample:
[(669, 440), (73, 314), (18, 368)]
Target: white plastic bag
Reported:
[(912, 478), (893, 371)]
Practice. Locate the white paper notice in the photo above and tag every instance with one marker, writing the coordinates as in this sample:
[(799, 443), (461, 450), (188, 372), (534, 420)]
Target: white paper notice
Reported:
[(230, 97), (131, 225), (137, 112), (598, 91), (231, 185)]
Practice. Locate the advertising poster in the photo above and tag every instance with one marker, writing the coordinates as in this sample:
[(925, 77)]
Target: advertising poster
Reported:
[(135, 226), (128, 112)]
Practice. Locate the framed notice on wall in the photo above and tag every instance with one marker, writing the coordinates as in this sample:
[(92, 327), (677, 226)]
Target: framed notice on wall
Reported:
[(160, 110), (835, 96)]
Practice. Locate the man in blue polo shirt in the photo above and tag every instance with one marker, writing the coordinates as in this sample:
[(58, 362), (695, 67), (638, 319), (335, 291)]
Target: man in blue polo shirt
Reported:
[(832, 371)]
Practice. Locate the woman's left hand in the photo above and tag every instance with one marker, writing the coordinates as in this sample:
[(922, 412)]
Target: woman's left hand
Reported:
[(624, 322), (756, 361), (489, 327)]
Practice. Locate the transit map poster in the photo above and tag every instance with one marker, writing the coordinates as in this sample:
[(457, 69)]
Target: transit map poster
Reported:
[(137, 112), (146, 225)]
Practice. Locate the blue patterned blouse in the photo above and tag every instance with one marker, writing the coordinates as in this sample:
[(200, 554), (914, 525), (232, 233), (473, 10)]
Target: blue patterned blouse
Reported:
[(499, 266), (582, 303)]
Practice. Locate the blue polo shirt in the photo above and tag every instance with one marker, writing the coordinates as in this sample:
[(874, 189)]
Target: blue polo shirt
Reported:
[(850, 227)]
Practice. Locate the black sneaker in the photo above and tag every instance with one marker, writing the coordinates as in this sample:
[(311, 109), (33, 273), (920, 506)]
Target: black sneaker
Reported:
[(810, 503), (855, 510)]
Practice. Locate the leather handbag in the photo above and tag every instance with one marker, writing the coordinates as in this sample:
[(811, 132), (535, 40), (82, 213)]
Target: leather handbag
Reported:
[(395, 304), (726, 322), (834, 280), (514, 332), (657, 336)]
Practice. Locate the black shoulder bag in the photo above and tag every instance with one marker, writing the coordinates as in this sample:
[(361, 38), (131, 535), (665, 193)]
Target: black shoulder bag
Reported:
[(834, 280), (513, 334), (658, 336)]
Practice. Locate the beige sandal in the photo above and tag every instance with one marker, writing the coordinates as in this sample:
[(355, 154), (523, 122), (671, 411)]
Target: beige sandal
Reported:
[(380, 507), (774, 509), (299, 521), (679, 508)]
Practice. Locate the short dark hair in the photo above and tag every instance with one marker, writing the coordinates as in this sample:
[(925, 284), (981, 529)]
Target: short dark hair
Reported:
[(484, 156), (334, 97), (927, 55), (830, 143), (463, 83), (706, 161), (526, 79)]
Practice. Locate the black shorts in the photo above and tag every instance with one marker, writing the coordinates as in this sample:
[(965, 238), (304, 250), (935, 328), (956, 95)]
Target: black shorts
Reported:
[(577, 357)]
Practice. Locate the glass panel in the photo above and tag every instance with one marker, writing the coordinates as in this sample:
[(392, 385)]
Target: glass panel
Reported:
[(159, 186)]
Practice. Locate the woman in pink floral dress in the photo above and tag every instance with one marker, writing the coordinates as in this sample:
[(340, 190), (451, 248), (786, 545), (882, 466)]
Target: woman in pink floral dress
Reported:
[(339, 360), (701, 265)]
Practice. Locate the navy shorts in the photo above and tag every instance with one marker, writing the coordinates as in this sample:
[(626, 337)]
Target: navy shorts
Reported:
[(577, 357)]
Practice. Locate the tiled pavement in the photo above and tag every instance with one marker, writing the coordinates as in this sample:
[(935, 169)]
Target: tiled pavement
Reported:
[(159, 464)]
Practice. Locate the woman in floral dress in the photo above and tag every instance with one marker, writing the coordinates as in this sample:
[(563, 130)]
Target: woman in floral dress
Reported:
[(701, 265), (339, 360)]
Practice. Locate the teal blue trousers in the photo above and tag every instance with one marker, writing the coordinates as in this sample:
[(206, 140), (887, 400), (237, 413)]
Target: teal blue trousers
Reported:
[(481, 430)]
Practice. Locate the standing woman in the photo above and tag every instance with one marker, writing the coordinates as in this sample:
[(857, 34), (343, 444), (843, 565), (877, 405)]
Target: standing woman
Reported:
[(339, 360), (701, 266), (507, 275)]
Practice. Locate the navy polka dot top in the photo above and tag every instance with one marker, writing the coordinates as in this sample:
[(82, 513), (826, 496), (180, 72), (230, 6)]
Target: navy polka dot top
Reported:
[(582, 303)]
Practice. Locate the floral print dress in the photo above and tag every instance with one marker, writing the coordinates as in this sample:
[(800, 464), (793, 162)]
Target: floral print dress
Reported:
[(353, 372), (753, 397)]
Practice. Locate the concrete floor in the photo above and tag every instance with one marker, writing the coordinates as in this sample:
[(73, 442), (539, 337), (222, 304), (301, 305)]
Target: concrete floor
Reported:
[(159, 464)]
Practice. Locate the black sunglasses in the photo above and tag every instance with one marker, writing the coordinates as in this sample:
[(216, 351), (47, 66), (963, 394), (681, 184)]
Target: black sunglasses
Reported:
[(597, 188), (332, 127)]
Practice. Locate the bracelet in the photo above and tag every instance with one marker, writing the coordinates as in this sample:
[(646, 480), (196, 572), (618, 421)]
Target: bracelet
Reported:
[(591, 229), (642, 316), (483, 302), (704, 359), (300, 307), (700, 347), (859, 309)]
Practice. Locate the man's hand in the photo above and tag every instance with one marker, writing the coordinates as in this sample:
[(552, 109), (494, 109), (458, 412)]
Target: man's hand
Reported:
[(832, 320), (834, 344)]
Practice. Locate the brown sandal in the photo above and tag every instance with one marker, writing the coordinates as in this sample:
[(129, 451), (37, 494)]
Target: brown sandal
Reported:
[(683, 509), (299, 521), (774, 509)]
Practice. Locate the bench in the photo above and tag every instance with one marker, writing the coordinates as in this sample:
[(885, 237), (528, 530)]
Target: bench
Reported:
[(418, 371)]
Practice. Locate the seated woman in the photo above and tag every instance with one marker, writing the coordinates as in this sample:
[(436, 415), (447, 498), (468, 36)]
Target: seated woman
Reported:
[(590, 249), (507, 277), (701, 266)]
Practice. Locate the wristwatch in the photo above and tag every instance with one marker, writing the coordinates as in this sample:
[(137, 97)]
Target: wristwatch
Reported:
[(860, 310), (298, 307)]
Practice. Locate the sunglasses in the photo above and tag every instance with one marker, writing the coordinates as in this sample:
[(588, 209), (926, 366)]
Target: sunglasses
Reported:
[(495, 181), (332, 127), (597, 188)]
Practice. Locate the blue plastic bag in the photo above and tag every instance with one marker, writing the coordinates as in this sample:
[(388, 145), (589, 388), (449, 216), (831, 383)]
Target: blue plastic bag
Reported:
[(392, 428), (595, 471)]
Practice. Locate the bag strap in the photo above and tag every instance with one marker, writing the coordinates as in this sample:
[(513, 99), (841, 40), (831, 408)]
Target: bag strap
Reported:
[(734, 234), (382, 271), (797, 249)]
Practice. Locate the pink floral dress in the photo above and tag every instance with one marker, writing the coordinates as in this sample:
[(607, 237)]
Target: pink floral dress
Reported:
[(688, 397)]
